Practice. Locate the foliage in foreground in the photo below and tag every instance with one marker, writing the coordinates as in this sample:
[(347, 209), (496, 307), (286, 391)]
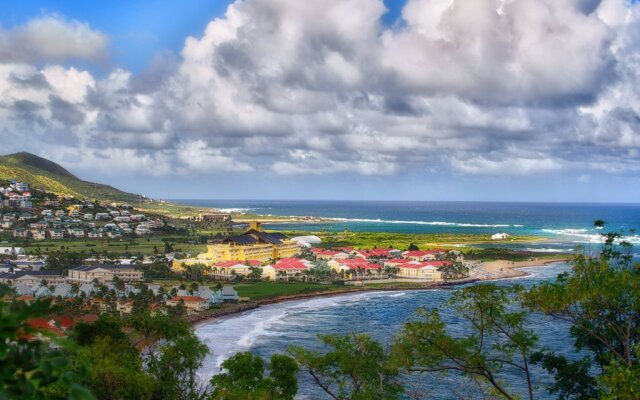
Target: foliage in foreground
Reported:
[(147, 356)]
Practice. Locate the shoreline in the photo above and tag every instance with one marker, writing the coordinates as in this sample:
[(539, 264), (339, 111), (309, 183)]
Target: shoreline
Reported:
[(509, 271), (503, 269)]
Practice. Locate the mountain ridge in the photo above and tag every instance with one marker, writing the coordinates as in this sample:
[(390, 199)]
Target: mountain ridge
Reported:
[(41, 173)]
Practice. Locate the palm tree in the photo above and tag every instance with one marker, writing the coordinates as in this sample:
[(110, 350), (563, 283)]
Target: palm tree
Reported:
[(75, 288)]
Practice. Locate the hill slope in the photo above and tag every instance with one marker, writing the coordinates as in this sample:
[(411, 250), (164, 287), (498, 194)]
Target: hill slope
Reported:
[(41, 173)]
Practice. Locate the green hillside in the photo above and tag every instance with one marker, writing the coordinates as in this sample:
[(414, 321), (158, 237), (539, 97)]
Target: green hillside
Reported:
[(44, 174)]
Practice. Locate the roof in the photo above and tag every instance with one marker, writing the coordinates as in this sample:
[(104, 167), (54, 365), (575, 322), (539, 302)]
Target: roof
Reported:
[(42, 324), (375, 252), (103, 266), (229, 264), (357, 263), (20, 274), (422, 253), (229, 291), (64, 321), (240, 239), (424, 264), (189, 299), (291, 264), (264, 237)]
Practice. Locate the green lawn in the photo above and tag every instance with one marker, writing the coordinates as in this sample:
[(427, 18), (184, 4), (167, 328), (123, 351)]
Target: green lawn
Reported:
[(402, 240), (141, 245), (267, 290)]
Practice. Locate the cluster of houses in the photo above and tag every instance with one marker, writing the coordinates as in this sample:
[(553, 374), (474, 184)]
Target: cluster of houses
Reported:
[(91, 282), (349, 263), (67, 218), (16, 195)]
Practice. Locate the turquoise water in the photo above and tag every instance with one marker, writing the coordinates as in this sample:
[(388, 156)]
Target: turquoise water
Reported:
[(273, 328), (565, 225)]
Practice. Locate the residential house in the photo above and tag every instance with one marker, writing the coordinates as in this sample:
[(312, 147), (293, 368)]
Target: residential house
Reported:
[(55, 234), (21, 186), (12, 251), (102, 217), (229, 294), (63, 290), (38, 235), (76, 233), (42, 291), (124, 306), (87, 289), (23, 290), (21, 233), (94, 234), (193, 304)]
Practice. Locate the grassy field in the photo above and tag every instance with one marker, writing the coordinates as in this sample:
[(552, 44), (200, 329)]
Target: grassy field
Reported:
[(262, 290), (403, 240), (268, 290), (141, 245)]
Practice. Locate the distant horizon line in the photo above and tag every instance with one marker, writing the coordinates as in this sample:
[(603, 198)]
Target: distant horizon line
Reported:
[(412, 201)]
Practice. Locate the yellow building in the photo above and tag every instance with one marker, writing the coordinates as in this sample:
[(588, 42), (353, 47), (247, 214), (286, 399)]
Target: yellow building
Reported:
[(252, 245)]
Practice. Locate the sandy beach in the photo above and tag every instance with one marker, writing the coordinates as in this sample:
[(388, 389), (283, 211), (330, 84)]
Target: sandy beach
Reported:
[(502, 269)]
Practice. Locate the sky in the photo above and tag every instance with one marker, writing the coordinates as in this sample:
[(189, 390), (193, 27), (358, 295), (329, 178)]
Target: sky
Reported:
[(491, 100)]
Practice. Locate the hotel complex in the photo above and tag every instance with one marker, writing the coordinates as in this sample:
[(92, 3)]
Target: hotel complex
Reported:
[(250, 246)]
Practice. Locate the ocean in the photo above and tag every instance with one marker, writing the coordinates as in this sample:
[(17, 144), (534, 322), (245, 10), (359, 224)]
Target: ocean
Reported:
[(273, 328), (564, 224)]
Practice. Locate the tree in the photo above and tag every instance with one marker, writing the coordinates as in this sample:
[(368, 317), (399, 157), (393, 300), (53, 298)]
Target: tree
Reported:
[(176, 364), (29, 367), (357, 368), (499, 340), (245, 378), (412, 247), (116, 371), (599, 299)]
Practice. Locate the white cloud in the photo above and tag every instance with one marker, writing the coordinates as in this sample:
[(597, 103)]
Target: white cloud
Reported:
[(509, 166), (52, 39), (483, 87)]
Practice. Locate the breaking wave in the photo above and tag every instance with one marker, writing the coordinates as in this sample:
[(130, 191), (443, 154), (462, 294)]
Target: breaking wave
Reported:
[(433, 223), (588, 235)]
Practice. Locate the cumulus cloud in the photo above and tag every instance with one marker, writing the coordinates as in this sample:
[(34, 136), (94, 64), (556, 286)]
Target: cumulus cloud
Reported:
[(52, 39), (491, 87)]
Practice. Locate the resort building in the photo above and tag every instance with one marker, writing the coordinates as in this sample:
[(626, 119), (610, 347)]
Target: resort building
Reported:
[(329, 254), (423, 270), (423, 255), (377, 253), (30, 278), (105, 273), (229, 269), (286, 268), (355, 267), (252, 245)]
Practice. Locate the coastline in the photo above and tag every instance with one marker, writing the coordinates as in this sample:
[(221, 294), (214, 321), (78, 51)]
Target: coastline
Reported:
[(498, 270), (503, 269)]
